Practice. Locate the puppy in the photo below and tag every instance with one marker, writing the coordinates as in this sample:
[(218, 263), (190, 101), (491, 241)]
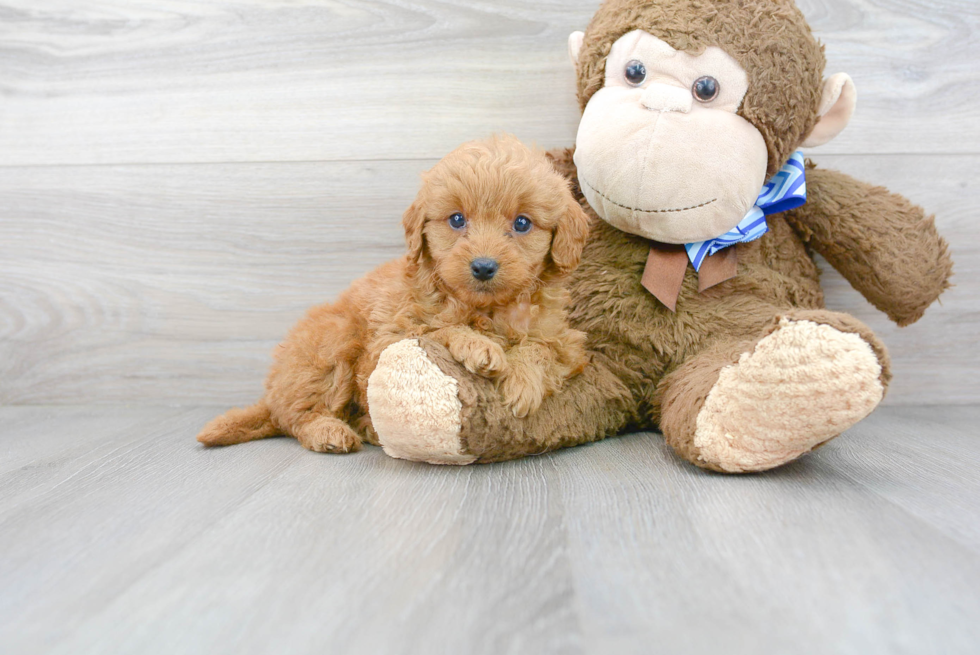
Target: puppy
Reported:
[(490, 235)]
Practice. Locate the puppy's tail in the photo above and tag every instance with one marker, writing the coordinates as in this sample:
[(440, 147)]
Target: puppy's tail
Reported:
[(238, 426)]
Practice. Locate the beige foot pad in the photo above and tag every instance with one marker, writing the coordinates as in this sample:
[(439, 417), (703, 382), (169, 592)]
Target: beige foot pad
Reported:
[(415, 407), (803, 384)]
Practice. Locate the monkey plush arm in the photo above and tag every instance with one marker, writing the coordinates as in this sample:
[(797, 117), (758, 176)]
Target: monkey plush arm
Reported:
[(885, 246)]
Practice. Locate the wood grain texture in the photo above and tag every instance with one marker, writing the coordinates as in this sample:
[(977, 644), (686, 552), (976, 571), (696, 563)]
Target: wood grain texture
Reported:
[(150, 81), (180, 180), (787, 561), (936, 359), (173, 283), (133, 282), (130, 538)]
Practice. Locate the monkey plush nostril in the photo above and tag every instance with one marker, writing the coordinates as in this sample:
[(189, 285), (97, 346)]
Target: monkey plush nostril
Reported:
[(483, 269)]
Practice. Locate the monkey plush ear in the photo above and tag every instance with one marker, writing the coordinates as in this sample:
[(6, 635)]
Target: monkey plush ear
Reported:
[(571, 233), (575, 40), (413, 221), (836, 108)]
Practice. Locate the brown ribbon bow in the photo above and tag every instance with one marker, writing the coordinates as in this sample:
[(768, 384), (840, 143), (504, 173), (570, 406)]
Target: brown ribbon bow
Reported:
[(667, 264)]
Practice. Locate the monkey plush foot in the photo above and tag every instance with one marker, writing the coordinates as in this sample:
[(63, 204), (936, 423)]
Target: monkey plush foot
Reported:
[(427, 407), (800, 386), (415, 407)]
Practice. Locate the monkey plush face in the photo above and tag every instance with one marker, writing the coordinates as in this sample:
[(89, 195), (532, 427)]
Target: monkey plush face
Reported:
[(688, 111), (701, 164)]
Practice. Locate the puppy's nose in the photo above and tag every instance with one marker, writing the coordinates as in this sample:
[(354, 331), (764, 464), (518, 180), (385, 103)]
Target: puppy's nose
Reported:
[(483, 268)]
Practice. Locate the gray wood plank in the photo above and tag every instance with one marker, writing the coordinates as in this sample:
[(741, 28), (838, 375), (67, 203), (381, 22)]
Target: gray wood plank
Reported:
[(111, 276), (172, 283), (936, 359), (153, 81), (805, 559), (923, 459), (43, 442), (168, 81), (99, 523), (353, 554), (907, 60), (159, 546)]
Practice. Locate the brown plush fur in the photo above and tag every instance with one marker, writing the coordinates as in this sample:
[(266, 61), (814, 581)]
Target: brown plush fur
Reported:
[(511, 329), (885, 246), (654, 368)]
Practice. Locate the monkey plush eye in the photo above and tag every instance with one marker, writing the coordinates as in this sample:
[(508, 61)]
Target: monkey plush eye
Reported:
[(522, 224), (457, 221), (706, 88), (635, 72)]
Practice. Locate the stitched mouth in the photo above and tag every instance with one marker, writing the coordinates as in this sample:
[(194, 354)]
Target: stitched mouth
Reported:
[(647, 211)]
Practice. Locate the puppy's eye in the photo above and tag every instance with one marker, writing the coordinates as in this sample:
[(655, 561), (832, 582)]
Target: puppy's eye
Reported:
[(457, 221), (706, 89), (635, 72), (522, 224)]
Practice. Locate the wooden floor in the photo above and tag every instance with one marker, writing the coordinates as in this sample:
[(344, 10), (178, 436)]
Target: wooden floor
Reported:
[(119, 534)]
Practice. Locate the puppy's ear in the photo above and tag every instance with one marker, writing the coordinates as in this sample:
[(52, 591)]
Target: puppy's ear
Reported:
[(413, 221), (571, 233)]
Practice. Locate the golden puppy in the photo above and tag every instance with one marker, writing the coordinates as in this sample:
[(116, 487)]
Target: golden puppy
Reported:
[(492, 230)]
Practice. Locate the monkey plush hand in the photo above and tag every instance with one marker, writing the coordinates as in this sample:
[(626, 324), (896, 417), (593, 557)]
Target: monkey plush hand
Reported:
[(697, 289)]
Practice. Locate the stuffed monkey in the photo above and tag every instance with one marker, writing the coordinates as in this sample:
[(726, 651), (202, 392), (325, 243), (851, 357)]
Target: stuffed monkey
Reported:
[(698, 289)]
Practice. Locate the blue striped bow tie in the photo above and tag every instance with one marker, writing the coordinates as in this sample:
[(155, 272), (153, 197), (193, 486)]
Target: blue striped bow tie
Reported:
[(786, 190)]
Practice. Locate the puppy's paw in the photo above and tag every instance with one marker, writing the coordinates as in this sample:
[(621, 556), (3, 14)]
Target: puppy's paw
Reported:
[(480, 356), (521, 393), (326, 434), (365, 429)]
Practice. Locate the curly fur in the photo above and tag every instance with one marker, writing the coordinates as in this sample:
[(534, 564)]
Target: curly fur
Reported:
[(512, 328)]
